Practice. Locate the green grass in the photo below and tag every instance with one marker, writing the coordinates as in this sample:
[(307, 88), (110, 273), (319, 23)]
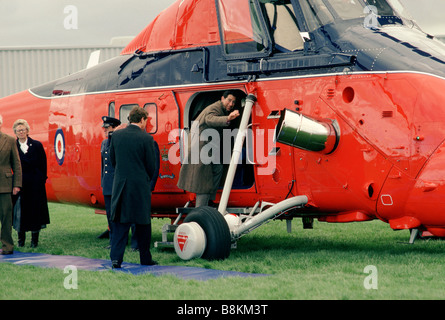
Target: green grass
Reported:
[(324, 263)]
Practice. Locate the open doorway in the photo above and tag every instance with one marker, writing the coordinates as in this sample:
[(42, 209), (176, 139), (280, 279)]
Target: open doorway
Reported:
[(244, 177)]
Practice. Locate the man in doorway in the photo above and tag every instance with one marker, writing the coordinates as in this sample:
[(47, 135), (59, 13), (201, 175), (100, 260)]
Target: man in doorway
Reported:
[(200, 178)]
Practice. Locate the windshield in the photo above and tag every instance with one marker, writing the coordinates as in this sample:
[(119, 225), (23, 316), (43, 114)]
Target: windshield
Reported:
[(242, 31), (372, 13)]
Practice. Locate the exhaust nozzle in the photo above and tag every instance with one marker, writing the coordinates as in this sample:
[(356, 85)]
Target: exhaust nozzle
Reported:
[(305, 133)]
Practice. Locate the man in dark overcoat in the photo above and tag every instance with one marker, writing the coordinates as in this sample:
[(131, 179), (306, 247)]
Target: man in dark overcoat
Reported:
[(10, 182), (132, 154), (203, 178)]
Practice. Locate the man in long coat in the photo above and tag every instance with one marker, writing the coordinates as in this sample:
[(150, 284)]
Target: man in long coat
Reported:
[(132, 154), (203, 178), (10, 182)]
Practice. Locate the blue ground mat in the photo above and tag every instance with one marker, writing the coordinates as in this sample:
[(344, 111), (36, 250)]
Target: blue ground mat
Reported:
[(81, 263)]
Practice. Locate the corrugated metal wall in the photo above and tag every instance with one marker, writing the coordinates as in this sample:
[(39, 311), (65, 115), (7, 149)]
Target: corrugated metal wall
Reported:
[(23, 68)]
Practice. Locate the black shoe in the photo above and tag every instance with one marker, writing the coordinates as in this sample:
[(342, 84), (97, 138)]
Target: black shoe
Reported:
[(150, 263), (21, 239), (34, 239), (115, 264), (213, 204), (104, 235)]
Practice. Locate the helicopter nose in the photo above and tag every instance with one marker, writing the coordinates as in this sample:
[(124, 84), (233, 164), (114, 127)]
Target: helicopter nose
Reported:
[(427, 199), (416, 203), (432, 175)]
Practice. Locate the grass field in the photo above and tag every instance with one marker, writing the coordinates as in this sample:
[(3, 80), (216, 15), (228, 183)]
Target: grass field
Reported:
[(327, 262)]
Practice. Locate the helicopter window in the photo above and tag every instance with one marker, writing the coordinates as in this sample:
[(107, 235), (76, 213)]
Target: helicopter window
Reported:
[(283, 25), (124, 112), (347, 9), (241, 28), (363, 9), (316, 13), (322, 12), (383, 8), (111, 109), (152, 123)]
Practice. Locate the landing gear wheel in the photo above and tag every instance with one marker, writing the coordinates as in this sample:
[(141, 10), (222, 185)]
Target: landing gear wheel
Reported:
[(216, 230)]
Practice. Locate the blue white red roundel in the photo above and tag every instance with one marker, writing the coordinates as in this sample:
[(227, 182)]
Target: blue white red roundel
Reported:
[(59, 146)]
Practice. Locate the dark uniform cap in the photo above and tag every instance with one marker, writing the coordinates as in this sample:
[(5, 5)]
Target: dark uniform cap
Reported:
[(109, 121)]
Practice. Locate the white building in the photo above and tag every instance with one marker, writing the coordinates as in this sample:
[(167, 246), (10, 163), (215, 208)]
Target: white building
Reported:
[(25, 67)]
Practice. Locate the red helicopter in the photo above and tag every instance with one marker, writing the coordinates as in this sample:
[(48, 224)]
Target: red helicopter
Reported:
[(342, 116)]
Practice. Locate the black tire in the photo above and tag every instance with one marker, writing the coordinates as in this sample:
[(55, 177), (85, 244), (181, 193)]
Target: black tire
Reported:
[(216, 230)]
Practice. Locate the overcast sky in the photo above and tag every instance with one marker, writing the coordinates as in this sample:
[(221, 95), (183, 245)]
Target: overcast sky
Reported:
[(429, 14), (53, 22), (95, 22)]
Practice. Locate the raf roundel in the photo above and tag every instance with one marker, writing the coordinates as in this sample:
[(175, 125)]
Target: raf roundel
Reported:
[(59, 146)]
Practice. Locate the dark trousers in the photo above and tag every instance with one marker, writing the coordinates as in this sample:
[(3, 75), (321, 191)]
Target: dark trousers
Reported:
[(134, 244), (120, 239), (107, 199), (6, 222)]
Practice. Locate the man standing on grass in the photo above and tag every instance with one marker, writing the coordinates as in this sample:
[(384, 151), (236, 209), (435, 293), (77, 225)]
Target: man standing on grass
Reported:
[(133, 156), (107, 170), (10, 181)]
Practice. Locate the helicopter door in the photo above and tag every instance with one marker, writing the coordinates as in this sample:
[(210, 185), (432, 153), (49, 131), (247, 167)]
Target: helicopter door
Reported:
[(244, 177)]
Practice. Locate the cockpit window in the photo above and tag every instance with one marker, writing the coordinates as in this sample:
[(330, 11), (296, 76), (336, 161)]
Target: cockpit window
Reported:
[(256, 27), (353, 9), (283, 25), (316, 13), (242, 30), (372, 13), (346, 9)]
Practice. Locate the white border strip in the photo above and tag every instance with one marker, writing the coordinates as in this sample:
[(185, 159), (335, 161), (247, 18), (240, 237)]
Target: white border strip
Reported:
[(233, 82)]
